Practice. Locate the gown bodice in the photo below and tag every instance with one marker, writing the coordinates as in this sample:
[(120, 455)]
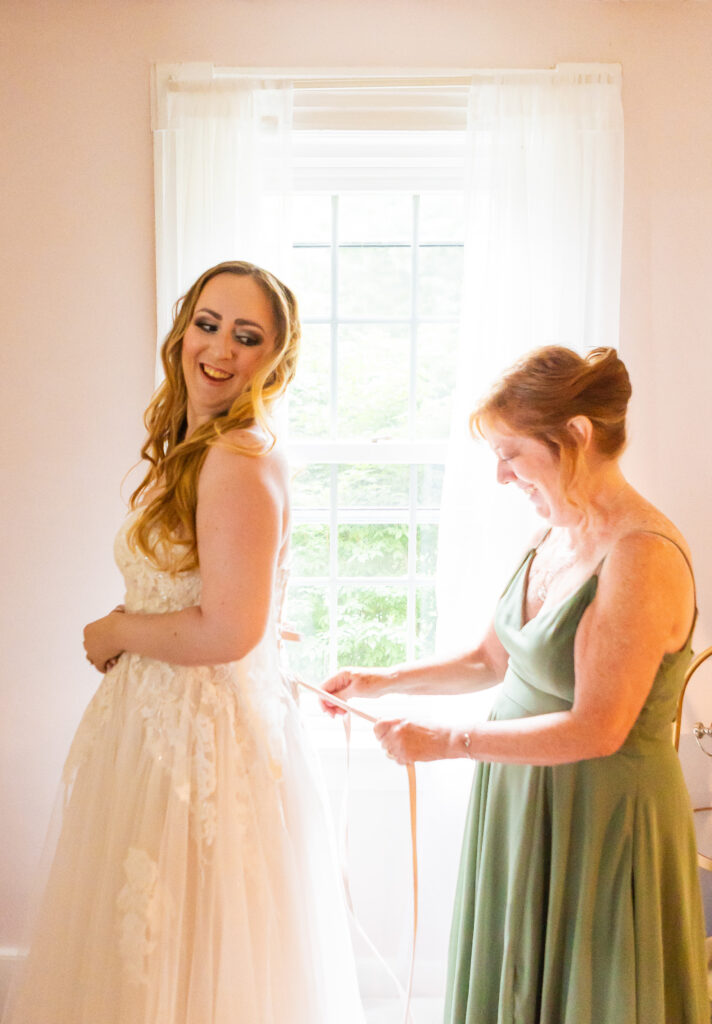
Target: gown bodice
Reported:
[(150, 589)]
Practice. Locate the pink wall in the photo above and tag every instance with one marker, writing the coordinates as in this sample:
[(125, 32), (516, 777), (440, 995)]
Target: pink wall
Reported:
[(77, 294)]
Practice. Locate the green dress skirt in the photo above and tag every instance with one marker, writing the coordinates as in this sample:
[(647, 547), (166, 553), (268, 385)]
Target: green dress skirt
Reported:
[(578, 896)]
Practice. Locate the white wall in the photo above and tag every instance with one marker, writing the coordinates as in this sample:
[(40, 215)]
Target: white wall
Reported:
[(77, 292)]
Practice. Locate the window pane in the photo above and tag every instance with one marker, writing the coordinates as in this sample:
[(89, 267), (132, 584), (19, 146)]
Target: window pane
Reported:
[(311, 218), (311, 281), (426, 549), (442, 217), (310, 550), (374, 282), (373, 381), (372, 625), (371, 217), (366, 486), (375, 234), (435, 384), (430, 485), (440, 280), (425, 621), (309, 393), (373, 550), (311, 486), (308, 613)]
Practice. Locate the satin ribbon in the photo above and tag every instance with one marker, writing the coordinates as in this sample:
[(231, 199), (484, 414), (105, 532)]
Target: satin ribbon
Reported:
[(413, 801)]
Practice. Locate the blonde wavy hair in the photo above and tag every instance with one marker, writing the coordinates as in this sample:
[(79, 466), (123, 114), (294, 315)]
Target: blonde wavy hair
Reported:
[(166, 522)]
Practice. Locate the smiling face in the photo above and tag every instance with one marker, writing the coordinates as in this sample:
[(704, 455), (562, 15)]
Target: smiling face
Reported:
[(534, 468), (231, 333)]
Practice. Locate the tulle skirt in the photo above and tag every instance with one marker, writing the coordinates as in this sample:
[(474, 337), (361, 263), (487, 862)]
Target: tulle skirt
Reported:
[(194, 879)]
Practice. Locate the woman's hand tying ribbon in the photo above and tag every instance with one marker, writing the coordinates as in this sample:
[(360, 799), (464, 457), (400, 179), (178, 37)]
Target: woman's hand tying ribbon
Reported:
[(354, 682), (406, 742)]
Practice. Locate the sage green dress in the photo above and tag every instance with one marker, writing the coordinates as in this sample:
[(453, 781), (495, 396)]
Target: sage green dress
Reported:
[(578, 897)]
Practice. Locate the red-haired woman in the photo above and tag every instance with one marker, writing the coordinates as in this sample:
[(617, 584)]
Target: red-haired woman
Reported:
[(194, 880), (578, 898)]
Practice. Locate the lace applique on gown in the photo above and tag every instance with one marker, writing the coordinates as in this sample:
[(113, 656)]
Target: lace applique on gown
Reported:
[(194, 880)]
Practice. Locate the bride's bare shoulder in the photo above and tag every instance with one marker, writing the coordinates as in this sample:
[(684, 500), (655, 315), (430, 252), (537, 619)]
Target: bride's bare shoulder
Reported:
[(251, 451)]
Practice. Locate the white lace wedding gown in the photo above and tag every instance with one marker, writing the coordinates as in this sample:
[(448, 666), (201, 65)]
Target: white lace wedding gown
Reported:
[(194, 880)]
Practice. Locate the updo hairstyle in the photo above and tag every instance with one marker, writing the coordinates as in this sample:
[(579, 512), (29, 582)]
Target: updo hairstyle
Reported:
[(543, 391)]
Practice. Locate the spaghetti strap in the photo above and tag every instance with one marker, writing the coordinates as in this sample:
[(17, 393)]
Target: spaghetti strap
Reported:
[(665, 536), (526, 558), (541, 540)]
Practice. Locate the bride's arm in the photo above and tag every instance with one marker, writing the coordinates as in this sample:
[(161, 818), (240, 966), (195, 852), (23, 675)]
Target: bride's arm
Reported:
[(239, 524)]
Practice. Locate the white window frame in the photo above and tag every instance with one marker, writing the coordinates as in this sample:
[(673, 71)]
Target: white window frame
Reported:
[(413, 452), (415, 143)]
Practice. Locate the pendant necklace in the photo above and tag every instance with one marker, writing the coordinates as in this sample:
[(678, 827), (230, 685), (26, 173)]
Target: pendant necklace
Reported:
[(547, 577)]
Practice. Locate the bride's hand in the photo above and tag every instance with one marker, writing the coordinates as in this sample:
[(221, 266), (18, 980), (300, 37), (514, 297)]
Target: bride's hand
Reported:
[(353, 682), (100, 643)]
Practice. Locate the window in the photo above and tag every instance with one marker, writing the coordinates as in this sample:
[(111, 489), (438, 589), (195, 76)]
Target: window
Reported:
[(350, 187), (378, 276)]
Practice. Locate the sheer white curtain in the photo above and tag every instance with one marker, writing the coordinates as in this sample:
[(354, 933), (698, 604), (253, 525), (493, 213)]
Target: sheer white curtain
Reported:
[(223, 176), (542, 266)]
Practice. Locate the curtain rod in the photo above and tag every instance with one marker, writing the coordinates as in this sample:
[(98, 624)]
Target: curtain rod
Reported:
[(449, 75), (376, 76), (166, 77)]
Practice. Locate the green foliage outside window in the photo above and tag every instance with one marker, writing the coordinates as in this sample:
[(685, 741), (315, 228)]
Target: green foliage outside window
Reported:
[(378, 281), (371, 625)]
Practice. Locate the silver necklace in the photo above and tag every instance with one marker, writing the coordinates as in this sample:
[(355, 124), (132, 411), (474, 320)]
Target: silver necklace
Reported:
[(549, 575)]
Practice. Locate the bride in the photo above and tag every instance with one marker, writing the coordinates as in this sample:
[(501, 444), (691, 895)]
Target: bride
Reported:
[(194, 880)]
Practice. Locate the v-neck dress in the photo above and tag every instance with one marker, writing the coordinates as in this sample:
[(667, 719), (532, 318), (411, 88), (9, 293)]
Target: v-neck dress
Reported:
[(578, 896)]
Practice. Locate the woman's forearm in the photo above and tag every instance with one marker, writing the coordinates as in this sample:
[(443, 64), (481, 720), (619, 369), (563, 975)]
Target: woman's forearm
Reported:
[(464, 674), (559, 737)]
